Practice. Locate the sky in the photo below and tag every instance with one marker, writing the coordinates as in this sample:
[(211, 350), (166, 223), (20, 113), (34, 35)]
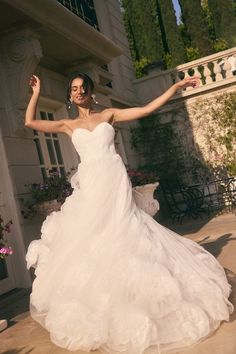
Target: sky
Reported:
[(177, 9)]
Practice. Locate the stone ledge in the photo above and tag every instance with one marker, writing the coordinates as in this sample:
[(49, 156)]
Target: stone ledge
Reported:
[(3, 325)]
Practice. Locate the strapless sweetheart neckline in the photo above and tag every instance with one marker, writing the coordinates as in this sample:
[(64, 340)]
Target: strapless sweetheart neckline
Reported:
[(91, 131)]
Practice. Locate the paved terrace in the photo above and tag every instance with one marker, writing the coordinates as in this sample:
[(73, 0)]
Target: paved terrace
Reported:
[(218, 236)]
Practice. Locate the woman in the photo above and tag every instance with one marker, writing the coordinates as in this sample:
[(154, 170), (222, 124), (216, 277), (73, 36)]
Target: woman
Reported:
[(108, 275)]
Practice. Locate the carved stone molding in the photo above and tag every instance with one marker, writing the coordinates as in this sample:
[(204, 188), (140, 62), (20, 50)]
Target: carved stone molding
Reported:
[(20, 55)]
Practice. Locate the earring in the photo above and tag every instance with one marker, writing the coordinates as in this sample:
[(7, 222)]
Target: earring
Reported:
[(94, 98), (70, 102)]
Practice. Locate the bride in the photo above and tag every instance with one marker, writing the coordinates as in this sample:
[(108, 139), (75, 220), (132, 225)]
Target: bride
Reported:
[(108, 276)]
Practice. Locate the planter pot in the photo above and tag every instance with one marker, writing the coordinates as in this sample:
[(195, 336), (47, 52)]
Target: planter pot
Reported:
[(48, 207), (143, 196)]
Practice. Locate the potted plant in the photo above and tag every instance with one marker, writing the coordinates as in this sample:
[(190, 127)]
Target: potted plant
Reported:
[(5, 250), (144, 184), (49, 195), (5, 229)]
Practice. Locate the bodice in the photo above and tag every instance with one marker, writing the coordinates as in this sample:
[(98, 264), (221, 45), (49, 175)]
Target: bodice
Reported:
[(96, 143)]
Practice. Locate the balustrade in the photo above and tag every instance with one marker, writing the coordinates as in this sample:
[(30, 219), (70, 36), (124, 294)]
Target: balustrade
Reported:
[(214, 71), (210, 69)]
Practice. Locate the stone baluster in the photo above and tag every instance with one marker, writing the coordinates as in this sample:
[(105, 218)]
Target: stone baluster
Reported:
[(227, 68), (197, 73), (217, 71), (176, 77), (186, 74), (207, 74)]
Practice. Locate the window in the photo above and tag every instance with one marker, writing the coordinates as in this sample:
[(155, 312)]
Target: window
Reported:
[(48, 149), (84, 9)]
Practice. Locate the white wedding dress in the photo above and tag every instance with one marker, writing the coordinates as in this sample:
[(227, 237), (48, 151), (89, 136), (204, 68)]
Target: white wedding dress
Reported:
[(108, 276)]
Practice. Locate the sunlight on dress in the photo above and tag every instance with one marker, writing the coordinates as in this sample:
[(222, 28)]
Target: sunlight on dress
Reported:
[(108, 276)]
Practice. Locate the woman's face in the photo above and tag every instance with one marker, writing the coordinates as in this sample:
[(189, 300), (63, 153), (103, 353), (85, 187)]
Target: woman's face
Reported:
[(78, 94)]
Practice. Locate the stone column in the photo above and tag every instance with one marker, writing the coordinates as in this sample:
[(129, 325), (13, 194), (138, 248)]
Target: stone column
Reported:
[(20, 53)]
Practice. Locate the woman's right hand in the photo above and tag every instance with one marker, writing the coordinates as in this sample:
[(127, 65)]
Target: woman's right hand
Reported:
[(35, 84)]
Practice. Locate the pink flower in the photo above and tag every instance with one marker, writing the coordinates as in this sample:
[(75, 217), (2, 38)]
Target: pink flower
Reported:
[(6, 250)]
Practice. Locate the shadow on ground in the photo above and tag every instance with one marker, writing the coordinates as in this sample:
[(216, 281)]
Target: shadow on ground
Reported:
[(189, 225), (216, 246)]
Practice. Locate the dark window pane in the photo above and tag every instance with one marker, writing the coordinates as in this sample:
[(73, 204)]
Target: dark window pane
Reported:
[(50, 116), (43, 115), (58, 152), (39, 151), (54, 135), (51, 152), (35, 132), (3, 269)]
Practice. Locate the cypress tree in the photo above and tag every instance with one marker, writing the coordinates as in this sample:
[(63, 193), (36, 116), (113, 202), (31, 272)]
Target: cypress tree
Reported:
[(192, 16), (224, 20), (131, 38), (143, 29), (170, 31)]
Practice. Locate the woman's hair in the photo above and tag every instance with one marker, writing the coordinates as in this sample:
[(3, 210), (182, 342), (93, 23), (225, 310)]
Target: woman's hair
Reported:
[(88, 84)]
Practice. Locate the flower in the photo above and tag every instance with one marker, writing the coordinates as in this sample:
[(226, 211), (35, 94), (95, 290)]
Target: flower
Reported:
[(5, 250), (54, 187), (139, 178)]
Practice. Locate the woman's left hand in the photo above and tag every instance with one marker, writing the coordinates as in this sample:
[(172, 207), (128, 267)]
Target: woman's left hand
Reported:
[(190, 81)]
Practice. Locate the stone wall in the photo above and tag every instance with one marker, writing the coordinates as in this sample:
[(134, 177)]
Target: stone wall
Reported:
[(197, 117), (204, 137)]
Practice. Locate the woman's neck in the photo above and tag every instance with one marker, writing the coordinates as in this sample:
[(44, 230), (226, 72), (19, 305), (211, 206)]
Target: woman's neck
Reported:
[(85, 112)]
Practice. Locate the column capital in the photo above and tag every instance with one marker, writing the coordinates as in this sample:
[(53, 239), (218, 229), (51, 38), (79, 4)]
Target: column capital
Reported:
[(21, 52)]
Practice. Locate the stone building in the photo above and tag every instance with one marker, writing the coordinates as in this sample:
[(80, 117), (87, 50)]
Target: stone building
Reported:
[(52, 39)]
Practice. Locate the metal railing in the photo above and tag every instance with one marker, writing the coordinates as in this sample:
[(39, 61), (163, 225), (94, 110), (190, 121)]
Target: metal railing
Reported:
[(84, 9)]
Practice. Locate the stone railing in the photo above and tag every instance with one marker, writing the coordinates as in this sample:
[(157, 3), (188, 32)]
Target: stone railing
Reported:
[(214, 70), (210, 69)]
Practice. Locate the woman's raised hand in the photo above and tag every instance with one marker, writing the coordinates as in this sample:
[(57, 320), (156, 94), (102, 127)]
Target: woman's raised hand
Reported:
[(190, 81), (35, 84)]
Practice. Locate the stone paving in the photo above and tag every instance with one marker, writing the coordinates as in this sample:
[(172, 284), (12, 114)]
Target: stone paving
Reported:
[(218, 236)]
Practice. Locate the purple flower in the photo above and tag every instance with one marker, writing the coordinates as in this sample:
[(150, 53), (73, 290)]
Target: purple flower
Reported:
[(4, 228)]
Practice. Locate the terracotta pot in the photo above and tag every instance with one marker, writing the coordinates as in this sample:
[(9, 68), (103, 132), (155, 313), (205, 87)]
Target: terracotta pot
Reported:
[(143, 196)]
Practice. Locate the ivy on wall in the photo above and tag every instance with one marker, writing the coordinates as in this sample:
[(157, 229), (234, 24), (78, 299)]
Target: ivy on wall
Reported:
[(214, 127), (159, 150), (195, 146)]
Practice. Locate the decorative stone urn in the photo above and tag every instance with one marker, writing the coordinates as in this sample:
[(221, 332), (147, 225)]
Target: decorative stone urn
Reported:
[(143, 196)]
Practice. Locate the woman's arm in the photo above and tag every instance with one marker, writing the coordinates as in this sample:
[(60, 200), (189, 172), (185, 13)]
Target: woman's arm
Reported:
[(127, 114), (41, 125)]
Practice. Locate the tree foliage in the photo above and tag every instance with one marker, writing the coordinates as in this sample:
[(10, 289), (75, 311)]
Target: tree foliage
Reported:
[(223, 17), (143, 29), (193, 18), (207, 26), (172, 38)]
